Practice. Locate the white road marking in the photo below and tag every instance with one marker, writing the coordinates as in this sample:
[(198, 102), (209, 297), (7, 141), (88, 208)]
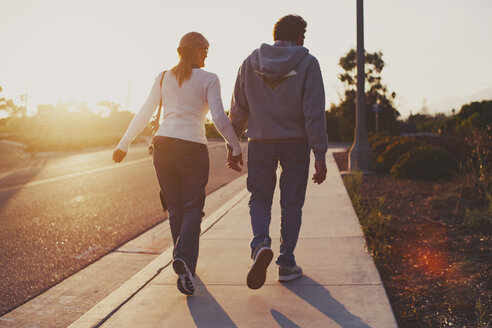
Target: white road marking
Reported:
[(73, 175)]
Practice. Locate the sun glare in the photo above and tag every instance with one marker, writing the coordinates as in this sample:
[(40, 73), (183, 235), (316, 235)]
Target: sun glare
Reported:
[(90, 50)]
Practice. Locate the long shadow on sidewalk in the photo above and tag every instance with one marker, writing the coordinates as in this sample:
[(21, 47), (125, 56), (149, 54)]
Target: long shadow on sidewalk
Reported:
[(282, 320), (322, 300), (205, 309)]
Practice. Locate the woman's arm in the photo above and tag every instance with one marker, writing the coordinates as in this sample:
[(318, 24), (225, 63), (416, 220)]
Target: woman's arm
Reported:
[(143, 116), (219, 117)]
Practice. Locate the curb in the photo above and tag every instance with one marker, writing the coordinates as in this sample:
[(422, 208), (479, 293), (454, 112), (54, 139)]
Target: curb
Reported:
[(102, 311)]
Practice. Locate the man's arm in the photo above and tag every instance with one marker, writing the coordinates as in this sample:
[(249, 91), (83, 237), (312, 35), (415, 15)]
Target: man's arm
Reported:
[(239, 104), (314, 110), (315, 119), (238, 116)]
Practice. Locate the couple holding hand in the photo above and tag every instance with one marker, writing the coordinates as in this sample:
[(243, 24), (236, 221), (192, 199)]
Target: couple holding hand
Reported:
[(279, 99)]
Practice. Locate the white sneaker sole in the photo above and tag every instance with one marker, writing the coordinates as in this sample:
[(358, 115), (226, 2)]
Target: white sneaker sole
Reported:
[(290, 277), (185, 283), (257, 272)]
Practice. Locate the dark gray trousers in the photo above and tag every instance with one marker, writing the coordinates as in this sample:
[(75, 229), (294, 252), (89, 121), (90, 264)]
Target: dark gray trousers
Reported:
[(263, 160), (182, 170)]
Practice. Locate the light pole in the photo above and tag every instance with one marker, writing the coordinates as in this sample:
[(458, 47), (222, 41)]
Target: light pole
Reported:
[(360, 156)]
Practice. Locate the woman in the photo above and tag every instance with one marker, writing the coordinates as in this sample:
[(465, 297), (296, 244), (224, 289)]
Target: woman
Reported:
[(180, 146)]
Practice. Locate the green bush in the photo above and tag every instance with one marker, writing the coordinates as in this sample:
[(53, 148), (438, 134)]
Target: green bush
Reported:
[(393, 151), (430, 126), (379, 143), (480, 219), (375, 224), (475, 115), (426, 163)]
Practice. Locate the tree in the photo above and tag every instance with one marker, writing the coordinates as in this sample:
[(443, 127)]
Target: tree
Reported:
[(113, 107), (476, 115), (376, 93), (7, 106), (418, 119)]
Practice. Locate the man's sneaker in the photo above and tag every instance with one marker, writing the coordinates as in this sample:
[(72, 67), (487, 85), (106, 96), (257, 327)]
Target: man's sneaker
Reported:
[(289, 273), (185, 282), (262, 256)]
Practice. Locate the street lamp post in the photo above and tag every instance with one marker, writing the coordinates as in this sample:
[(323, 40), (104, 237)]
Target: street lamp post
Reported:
[(360, 156)]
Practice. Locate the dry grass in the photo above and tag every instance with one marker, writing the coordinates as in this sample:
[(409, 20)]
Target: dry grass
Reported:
[(431, 245)]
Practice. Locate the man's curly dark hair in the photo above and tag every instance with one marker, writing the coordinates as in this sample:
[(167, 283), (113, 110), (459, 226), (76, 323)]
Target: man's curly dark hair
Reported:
[(289, 28)]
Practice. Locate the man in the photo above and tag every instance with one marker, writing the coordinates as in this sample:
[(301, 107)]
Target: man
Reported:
[(279, 97)]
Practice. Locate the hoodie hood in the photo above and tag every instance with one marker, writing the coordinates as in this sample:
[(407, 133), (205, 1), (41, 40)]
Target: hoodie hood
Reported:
[(275, 61)]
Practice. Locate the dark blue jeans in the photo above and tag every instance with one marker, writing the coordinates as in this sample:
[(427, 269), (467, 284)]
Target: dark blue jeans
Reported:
[(263, 159), (182, 170)]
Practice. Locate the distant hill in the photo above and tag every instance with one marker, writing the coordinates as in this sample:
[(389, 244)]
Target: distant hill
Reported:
[(447, 104)]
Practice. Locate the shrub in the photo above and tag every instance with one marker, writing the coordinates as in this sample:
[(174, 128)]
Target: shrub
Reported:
[(475, 115), (480, 161), (370, 213), (457, 146), (393, 151), (480, 219), (353, 183), (431, 126), (379, 143), (426, 163), (376, 229)]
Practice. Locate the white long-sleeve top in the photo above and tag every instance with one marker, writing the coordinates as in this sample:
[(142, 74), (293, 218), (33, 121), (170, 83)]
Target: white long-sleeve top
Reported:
[(184, 109)]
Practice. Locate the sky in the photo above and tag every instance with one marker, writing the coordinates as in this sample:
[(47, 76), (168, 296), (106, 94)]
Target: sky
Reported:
[(437, 51)]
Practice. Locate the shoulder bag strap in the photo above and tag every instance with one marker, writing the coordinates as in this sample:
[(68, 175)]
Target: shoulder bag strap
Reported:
[(157, 117)]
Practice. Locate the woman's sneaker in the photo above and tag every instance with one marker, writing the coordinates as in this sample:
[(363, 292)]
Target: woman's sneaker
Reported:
[(185, 282), (289, 273), (262, 256)]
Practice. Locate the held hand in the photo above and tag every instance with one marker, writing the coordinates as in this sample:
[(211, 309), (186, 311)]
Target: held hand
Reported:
[(234, 162), (320, 175), (118, 155)]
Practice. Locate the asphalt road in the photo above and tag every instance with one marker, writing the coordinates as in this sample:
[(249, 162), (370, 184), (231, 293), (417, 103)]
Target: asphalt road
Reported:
[(59, 214)]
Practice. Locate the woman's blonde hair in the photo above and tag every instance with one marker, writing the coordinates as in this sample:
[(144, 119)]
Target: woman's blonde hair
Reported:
[(186, 50)]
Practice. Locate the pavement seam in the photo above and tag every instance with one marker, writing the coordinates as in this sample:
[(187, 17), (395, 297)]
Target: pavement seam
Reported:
[(337, 312), (165, 257), (136, 252), (272, 284), (300, 238), (109, 315)]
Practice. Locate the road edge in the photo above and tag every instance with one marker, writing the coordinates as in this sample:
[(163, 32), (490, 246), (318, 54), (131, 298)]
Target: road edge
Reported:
[(103, 310)]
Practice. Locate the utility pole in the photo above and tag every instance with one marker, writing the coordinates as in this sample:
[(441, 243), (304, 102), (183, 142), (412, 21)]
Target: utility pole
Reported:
[(360, 156)]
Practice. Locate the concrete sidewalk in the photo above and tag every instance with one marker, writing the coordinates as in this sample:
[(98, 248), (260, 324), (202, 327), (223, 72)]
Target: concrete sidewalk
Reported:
[(341, 286)]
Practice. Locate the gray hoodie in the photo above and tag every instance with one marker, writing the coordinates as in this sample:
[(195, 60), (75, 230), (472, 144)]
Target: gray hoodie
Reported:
[(279, 96)]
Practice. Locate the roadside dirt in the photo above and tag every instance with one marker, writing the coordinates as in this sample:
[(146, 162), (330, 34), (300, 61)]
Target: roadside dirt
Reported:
[(439, 269)]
